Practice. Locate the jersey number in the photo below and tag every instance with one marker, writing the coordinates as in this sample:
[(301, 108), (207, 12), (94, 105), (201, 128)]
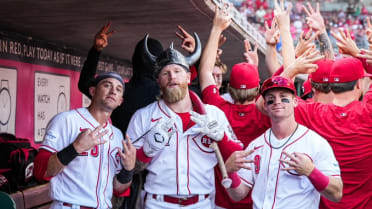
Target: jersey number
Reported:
[(257, 161), (93, 152)]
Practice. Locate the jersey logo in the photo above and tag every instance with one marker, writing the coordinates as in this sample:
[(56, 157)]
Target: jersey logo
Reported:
[(155, 119), (257, 164), (203, 143), (82, 129), (206, 141)]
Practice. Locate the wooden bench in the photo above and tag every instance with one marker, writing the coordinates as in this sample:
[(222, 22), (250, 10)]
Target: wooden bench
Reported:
[(34, 197)]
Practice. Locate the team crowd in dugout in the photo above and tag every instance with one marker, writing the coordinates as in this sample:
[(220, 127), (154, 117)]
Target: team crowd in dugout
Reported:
[(169, 138)]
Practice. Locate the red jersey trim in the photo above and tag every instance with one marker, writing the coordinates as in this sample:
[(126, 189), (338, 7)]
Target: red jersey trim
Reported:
[(98, 177), (46, 147), (188, 165), (108, 172), (176, 160), (161, 109), (251, 184)]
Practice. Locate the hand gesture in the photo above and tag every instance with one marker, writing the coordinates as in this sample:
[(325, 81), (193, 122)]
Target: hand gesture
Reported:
[(188, 42), (250, 55), (305, 42), (367, 55), (158, 137), (222, 18), (88, 139), (314, 19), (272, 34), (128, 155), (238, 160), (346, 44), (303, 64), (100, 40), (298, 162), (208, 126), (281, 14), (221, 41), (369, 31)]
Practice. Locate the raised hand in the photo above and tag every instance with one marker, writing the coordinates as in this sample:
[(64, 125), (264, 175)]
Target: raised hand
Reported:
[(188, 42), (298, 162), (281, 14), (128, 155), (346, 44), (158, 137), (314, 19), (272, 34), (369, 31), (101, 38), (303, 64), (305, 42), (88, 139), (250, 55), (222, 18), (208, 126), (367, 55), (238, 160), (221, 41)]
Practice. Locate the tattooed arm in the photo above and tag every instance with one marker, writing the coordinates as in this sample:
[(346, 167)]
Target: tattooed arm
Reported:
[(316, 22)]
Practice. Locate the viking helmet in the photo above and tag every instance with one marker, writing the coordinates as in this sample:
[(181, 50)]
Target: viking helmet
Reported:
[(173, 56)]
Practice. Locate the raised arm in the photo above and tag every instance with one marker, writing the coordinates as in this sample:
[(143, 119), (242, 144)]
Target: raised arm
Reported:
[(221, 21), (90, 65), (272, 36), (282, 18), (316, 22)]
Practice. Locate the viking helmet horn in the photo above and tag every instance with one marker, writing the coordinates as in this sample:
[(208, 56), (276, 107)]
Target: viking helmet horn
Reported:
[(147, 51), (192, 58)]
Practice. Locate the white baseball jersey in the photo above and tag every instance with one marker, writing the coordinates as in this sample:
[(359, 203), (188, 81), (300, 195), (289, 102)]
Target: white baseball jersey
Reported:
[(274, 188), (185, 165), (88, 179)]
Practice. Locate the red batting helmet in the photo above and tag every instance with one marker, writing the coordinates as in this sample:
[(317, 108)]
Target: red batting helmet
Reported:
[(277, 82)]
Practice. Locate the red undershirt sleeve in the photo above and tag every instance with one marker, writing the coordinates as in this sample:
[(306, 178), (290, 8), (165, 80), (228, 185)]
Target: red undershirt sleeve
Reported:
[(227, 147), (211, 95), (41, 165)]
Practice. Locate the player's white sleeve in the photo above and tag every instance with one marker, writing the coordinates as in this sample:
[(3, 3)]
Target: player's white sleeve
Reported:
[(135, 129), (58, 132), (325, 159)]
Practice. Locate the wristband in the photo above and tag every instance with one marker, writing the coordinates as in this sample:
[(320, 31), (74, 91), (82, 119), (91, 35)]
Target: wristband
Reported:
[(124, 176), (318, 179), (141, 156), (235, 180), (67, 154)]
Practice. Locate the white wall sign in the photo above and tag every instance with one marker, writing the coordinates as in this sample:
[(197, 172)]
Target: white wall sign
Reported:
[(52, 96), (8, 99)]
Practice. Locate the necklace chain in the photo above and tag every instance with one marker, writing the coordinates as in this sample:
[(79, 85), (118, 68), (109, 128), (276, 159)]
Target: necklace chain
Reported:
[(289, 138)]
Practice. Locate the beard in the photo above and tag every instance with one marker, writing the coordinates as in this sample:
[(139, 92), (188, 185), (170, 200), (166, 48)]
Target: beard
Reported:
[(173, 95)]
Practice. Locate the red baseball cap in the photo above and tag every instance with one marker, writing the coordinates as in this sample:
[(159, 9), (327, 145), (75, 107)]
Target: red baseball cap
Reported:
[(277, 82), (323, 73), (244, 76), (347, 69)]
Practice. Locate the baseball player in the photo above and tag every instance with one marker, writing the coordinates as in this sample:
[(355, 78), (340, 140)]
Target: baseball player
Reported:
[(172, 137), (85, 156), (246, 120), (289, 166), (346, 124)]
